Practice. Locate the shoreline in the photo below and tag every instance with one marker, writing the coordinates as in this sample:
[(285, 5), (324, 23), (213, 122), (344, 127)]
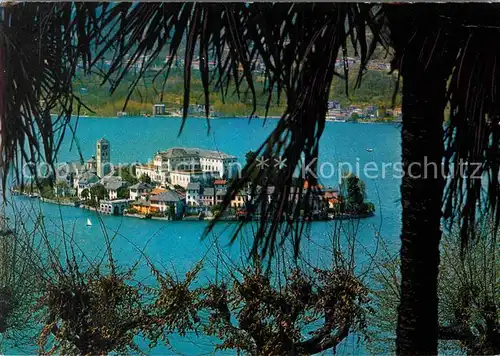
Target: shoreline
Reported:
[(375, 121), (80, 205), (176, 117)]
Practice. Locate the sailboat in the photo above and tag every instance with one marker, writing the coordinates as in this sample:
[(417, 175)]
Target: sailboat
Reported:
[(89, 223)]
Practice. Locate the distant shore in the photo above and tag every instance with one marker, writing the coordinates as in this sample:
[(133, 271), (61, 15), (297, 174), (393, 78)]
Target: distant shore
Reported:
[(178, 117), (360, 121)]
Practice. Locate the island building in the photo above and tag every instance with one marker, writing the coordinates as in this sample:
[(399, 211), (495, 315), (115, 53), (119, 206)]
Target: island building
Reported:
[(181, 166), (165, 202), (65, 175), (79, 176), (195, 178), (112, 184), (139, 190), (113, 207), (168, 200)]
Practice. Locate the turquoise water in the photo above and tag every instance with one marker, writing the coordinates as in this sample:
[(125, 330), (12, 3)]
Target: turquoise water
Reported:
[(177, 244)]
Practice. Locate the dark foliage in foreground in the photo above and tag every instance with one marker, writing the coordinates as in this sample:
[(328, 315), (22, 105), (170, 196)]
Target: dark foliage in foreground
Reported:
[(90, 305), (469, 295), (447, 55)]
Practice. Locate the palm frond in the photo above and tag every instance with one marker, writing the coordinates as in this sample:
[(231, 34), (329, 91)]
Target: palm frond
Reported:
[(469, 52), (298, 43), (473, 135), (41, 46)]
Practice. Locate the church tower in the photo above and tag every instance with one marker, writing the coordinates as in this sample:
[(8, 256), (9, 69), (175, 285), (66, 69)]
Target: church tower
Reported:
[(103, 150)]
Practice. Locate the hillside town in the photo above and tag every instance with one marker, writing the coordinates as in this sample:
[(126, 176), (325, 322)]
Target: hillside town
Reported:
[(357, 111), (178, 183), (338, 113)]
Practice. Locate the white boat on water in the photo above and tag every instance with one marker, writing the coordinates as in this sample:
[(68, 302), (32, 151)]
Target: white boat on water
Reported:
[(89, 223), (369, 149)]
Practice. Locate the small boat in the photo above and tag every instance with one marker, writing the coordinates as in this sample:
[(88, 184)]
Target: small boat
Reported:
[(89, 223), (369, 149)]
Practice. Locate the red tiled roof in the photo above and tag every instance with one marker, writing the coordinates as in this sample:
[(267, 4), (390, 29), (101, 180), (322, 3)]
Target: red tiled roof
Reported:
[(158, 191)]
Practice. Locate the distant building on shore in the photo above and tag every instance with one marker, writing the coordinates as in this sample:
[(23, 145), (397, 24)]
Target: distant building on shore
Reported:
[(159, 109)]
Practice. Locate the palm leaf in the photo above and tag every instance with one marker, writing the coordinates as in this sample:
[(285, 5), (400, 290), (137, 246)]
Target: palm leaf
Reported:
[(466, 38), (299, 44), (40, 56)]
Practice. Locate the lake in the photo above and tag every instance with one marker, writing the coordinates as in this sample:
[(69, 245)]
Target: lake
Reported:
[(178, 243)]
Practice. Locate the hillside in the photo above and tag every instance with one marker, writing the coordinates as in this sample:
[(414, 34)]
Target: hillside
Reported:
[(377, 89)]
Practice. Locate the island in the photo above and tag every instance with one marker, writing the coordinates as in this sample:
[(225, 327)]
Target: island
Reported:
[(181, 183)]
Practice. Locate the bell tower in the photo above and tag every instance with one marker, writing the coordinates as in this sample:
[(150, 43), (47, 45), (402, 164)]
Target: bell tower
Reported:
[(103, 150)]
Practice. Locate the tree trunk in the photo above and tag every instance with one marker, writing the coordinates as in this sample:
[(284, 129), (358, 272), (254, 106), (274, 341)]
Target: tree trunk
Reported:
[(422, 192)]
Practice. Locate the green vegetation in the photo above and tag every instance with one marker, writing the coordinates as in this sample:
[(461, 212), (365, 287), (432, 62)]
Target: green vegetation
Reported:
[(157, 214), (132, 211), (97, 97), (377, 88), (85, 194), (468, 291), (145, 178), (352, 191), (123, 193), (97, 192), (47, 192), (101, 307), (215, 210), (127, 173), (171, 212)]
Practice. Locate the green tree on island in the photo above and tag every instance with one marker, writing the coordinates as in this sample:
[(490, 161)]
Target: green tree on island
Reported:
[(171, 213), (250, 156), (123, 193), (85, 194), (127, 173), (352, 196), (145, 178), (61, 187), (97, 192)]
